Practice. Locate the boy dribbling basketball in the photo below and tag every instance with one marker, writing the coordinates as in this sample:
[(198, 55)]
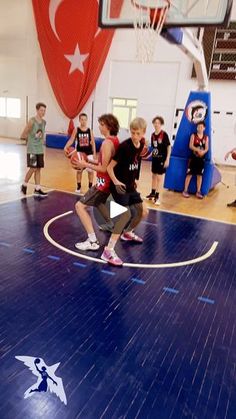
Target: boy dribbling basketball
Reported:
[(85, 143), (98, 194)]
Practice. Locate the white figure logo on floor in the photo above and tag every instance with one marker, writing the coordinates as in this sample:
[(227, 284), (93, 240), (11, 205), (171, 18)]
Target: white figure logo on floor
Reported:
[(47, 380)]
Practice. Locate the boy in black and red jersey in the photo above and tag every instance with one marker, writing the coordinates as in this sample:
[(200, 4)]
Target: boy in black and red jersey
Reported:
[(199, 146), (161, 150), (84, 141), (124, 171), (98, 194)]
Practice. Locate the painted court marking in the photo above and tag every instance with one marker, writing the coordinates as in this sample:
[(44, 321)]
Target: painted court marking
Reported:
[(131, 265)]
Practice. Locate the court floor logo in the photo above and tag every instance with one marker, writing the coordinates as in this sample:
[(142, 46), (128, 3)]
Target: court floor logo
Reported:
[(47, 380)]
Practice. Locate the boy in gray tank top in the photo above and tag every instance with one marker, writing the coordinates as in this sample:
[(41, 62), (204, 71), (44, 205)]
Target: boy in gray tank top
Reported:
[(34, 135)]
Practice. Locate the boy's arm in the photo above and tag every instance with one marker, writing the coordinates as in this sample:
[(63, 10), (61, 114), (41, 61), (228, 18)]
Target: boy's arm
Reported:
[(191, 144), (26, 130), (120, 187), (167, 161), (229, 152), (93, 145), (107, 153), (70, 141)]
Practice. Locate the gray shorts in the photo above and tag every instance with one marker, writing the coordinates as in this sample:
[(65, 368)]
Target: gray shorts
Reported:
[(94, 197)]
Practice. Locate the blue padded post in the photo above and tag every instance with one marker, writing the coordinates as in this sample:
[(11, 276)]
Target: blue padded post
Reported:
[(198, 108)]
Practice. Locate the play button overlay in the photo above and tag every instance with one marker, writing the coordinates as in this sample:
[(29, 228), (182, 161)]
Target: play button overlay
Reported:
[(116, 209), (113, 210)]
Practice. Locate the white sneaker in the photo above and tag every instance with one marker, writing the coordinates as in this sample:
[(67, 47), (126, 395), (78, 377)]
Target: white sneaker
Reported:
[(87, 245), (157, 201), (78, 191)]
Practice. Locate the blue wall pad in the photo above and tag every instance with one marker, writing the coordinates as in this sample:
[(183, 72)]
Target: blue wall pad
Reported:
[(198, 108)]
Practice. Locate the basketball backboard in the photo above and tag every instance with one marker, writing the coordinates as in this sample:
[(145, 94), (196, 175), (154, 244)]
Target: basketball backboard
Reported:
[(182, 13)]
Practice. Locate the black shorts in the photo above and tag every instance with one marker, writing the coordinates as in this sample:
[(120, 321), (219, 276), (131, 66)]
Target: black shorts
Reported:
[(35, 161), (196, 166), (158, 165), (127, 199), (94, 197)]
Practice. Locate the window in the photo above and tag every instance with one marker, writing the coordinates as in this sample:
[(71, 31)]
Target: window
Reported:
[(10, 107), (125, 110)]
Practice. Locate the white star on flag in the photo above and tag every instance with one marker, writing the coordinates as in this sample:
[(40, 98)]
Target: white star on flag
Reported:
[(76, 60)]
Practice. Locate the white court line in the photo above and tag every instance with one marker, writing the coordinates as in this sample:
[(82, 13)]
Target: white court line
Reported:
[(192, 216), (21, 197), (131, 265)]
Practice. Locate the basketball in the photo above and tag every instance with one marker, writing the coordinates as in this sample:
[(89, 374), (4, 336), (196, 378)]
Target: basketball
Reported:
[(233, 155), (78, 156), (70, 151), (37, 361)]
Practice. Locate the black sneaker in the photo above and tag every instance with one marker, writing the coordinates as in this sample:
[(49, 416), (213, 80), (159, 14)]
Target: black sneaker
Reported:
[(232, 204), (150, 196), (23, 189), (40, 193)]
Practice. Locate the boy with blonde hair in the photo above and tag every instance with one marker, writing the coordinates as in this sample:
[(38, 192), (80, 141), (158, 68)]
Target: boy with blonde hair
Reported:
[(123, 171)]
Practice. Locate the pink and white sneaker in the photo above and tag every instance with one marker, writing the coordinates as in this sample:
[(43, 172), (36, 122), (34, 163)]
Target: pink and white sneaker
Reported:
[(131, 237), (110, 256), (185, 194), (199, 195)]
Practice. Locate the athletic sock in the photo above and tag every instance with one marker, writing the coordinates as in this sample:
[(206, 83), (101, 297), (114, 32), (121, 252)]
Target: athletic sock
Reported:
[(92, 237), (78, 186), (153, 191), (37, 187), (90, 185), (111, 244), (157, 195), (25, 184)]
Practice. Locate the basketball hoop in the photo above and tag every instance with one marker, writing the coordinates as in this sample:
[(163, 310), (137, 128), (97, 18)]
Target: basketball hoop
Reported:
[(149, 18)]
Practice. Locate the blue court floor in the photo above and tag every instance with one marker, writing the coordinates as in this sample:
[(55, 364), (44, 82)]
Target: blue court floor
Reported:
[(132, 342)]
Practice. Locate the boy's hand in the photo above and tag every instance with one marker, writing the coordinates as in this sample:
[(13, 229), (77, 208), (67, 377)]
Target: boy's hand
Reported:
[(120, 188), (78, 164), (66, 151), (166, 164)]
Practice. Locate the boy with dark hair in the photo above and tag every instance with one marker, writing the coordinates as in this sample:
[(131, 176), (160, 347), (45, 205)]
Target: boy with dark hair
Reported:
[(34, 134), (98, 194), (161, 150), (85, 143), (123, 171), (199, 146)]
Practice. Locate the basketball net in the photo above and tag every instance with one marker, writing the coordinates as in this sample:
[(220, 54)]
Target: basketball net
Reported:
[(149, 18)]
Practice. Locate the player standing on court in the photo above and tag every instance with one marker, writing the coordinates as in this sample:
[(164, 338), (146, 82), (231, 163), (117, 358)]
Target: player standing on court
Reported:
[(98, 194), (123, 171), (199, 146), (161, 150), (85, 143), (34, 134)]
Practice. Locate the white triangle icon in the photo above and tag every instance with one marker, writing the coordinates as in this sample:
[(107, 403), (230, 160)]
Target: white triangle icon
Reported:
[(116, 209)]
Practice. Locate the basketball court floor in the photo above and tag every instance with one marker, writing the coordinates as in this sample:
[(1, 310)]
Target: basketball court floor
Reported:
[(153, 339)]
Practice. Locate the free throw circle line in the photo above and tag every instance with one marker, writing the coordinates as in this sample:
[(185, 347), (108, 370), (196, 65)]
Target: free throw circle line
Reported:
[(130, 265)]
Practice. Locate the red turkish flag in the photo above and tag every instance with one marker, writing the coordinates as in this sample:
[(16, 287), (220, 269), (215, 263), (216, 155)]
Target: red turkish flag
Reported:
[(74, 49)]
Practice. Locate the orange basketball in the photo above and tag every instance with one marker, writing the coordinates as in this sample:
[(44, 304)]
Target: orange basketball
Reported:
[(70, 151), (233, 155), (78, 156)]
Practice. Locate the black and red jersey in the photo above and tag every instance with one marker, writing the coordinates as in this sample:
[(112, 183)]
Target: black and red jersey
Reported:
[(83, 141), (103, 180)]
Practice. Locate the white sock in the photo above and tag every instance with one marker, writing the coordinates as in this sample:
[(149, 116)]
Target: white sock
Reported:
[(111, 244), (92, 237), (37, 187)]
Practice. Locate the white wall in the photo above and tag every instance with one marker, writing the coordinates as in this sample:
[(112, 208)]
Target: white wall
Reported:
[(160, 87)]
